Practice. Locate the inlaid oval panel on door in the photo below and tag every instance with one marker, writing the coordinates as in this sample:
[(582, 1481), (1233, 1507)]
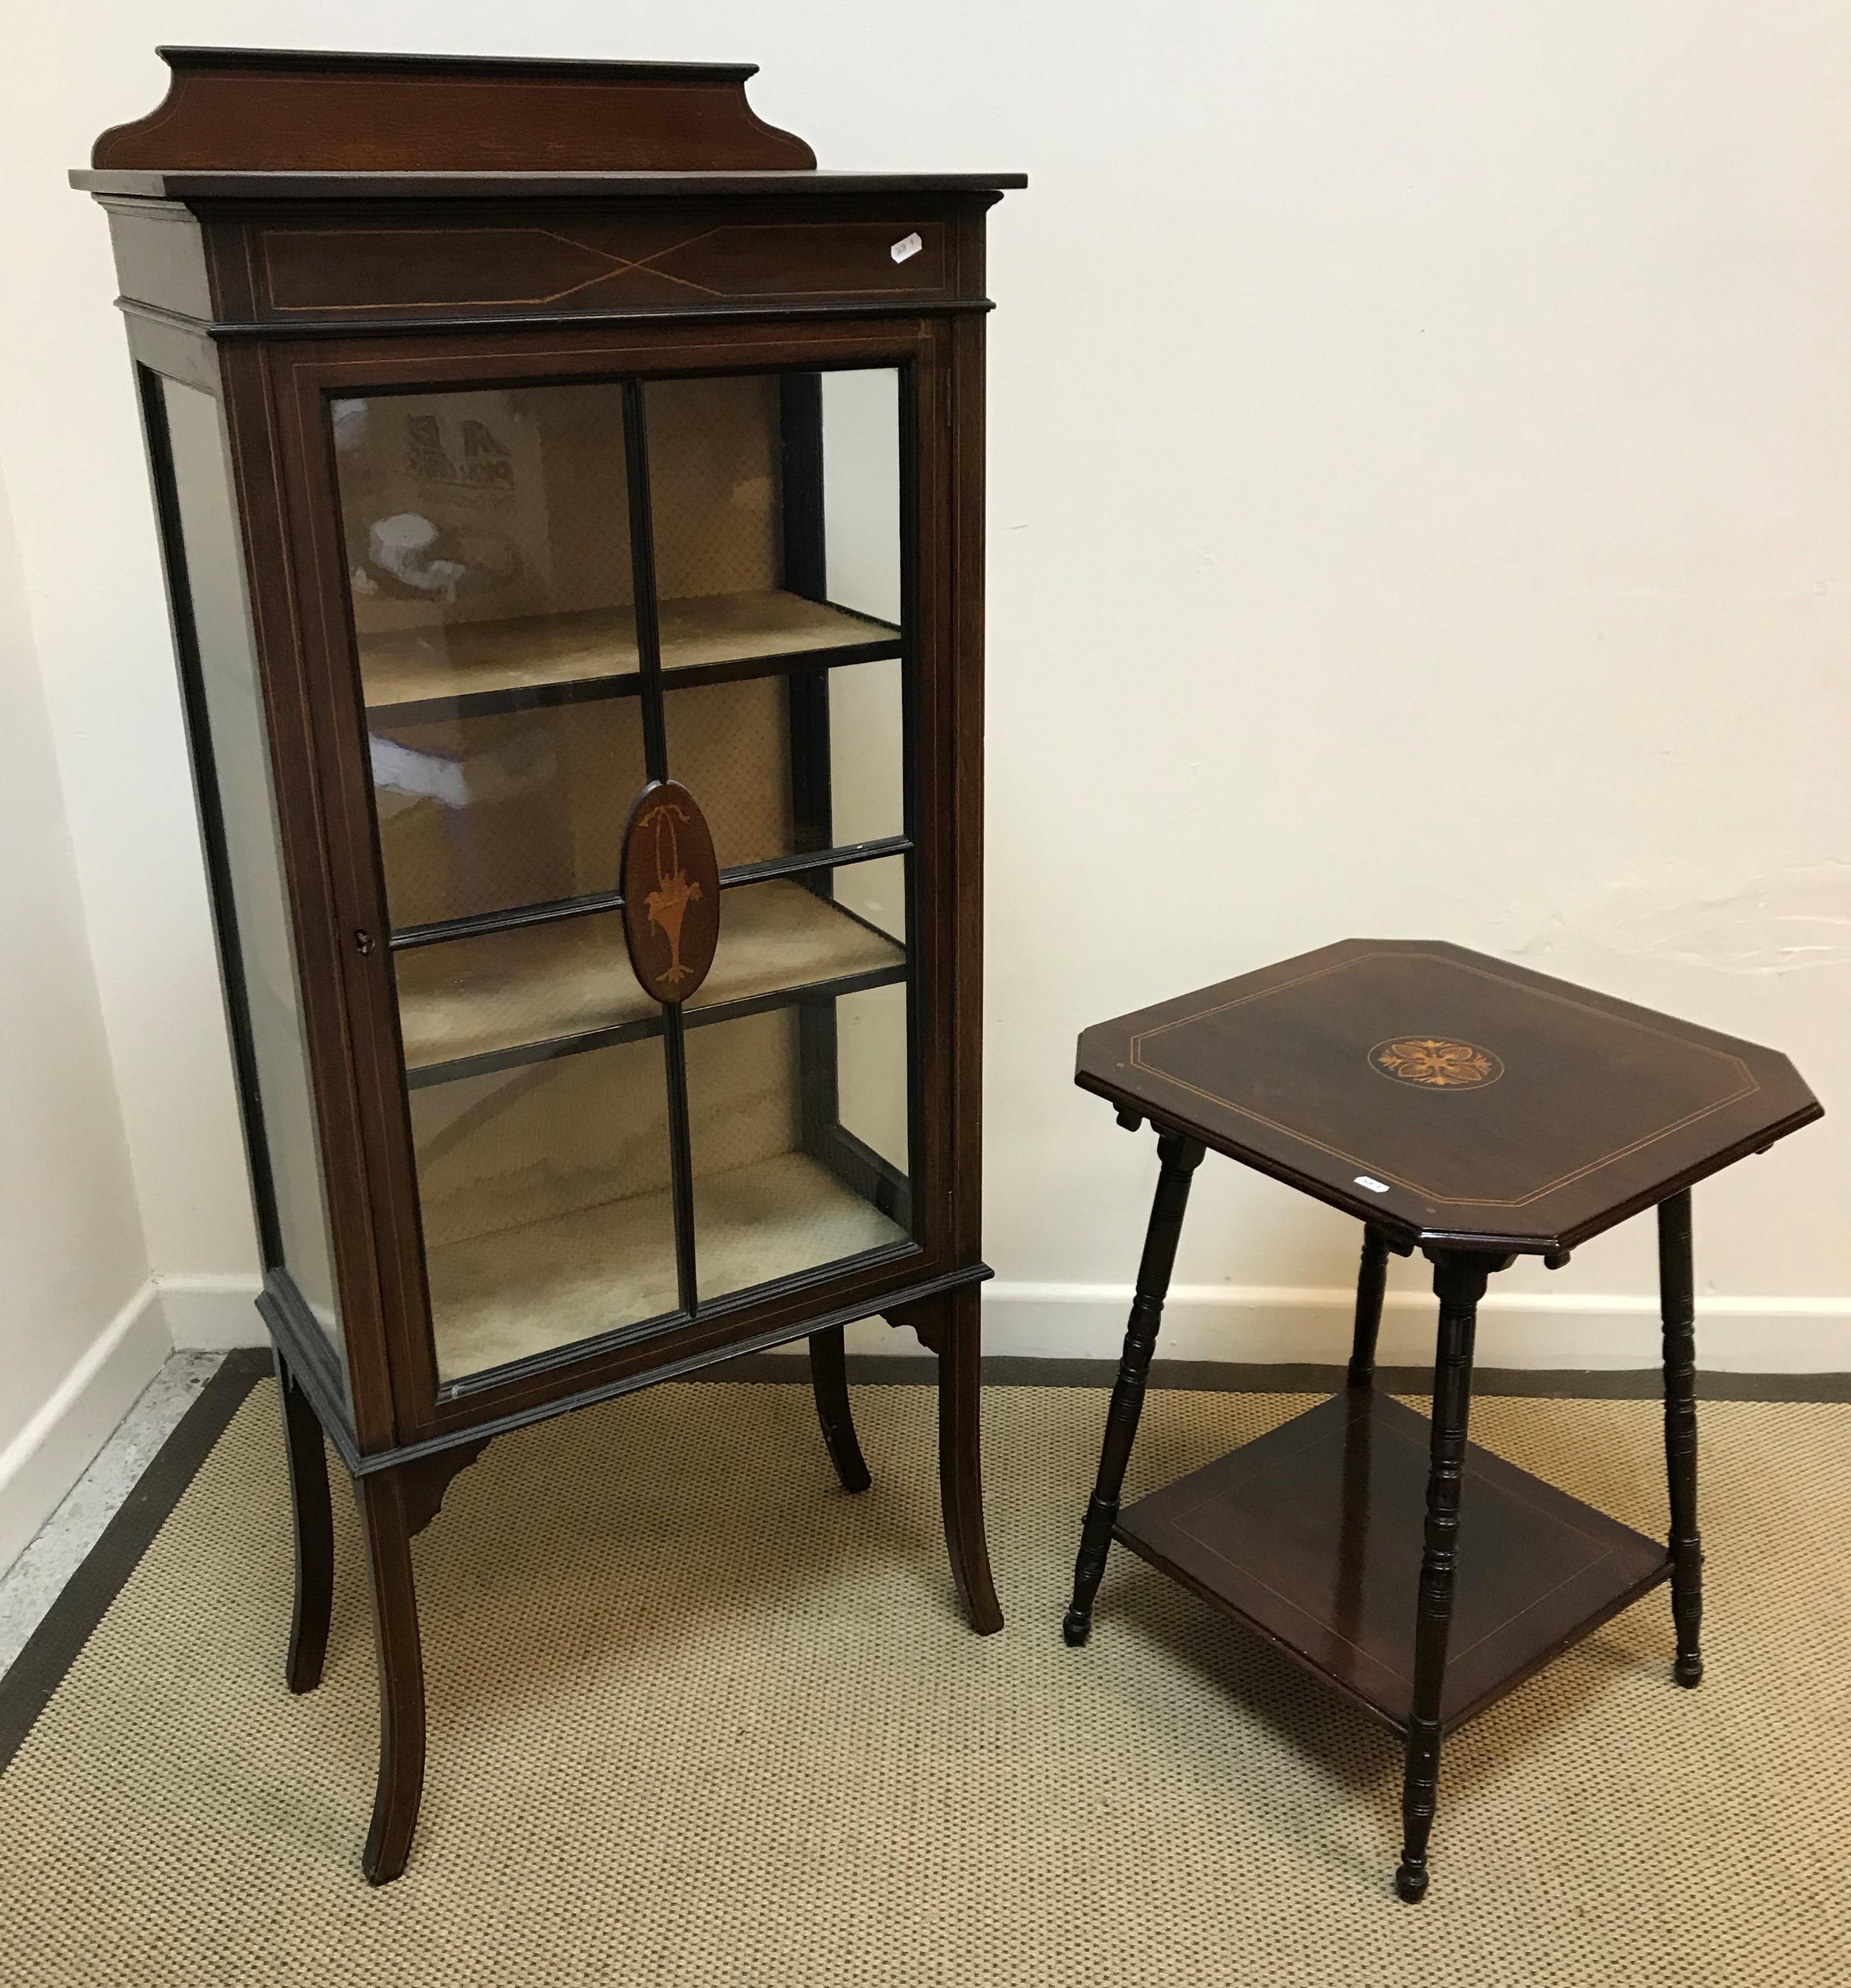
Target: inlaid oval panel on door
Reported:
[(672, 891)]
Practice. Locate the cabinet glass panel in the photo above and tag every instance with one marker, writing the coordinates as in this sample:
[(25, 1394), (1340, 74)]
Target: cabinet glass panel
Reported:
[(546, 1193), (775, 503), (560, 593), (781, 1184), (487, 536), (748, 477), (503, 811), (790, 764), (238, 811)]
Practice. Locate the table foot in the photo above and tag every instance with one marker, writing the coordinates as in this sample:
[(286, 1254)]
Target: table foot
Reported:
[(1410, 1883), (1688, 1670), (1076, 1627)]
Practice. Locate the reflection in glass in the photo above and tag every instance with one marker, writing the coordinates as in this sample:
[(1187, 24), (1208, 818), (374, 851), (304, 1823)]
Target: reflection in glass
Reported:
[(488, 548), (240, 807), (866, 753), (861, 444), (875, 893), (487, 814), (487, 540)]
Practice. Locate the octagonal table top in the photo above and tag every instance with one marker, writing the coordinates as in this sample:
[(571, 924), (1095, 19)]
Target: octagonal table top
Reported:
[(1449, 1097)]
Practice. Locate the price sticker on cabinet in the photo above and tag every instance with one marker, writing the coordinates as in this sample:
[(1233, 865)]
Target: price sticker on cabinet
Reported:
[(910, 246)]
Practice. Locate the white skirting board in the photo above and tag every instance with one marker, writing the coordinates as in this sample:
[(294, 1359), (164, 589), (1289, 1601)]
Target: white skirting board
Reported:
[(1293, 1323), (211, 1314), (1268, 1323), (47, 1456)]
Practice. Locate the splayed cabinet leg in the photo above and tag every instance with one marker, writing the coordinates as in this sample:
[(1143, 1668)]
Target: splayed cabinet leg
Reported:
[(949, 1324), (829, 1382), (314, 1522), (386, 1527)]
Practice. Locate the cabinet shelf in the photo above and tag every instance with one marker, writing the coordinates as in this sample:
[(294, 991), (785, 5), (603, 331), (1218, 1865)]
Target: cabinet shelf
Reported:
[(528, 991), (471, 668)]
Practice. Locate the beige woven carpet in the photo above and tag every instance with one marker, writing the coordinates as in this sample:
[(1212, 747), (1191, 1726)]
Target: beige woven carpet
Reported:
[(698, 1717)]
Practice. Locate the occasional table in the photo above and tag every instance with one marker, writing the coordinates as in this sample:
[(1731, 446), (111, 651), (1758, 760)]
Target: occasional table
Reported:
[(1478, 1111)]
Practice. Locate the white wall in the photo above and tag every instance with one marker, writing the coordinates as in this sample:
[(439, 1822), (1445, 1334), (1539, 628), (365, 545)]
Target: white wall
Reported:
[(1419, 484), (79, 1336)]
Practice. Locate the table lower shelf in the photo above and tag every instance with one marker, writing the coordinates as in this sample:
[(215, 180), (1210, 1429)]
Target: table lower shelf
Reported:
[(1312, 1535)]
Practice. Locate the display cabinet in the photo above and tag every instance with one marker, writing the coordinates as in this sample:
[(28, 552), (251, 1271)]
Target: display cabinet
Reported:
[(572, 506)]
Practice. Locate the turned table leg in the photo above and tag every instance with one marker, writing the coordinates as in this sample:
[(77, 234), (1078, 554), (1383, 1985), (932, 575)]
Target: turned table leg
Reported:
[(829, 1383), (314, 1521), (1179, 1159), (387, 1526), (1371, 1283), (1460, 1280), (1677, 1305)]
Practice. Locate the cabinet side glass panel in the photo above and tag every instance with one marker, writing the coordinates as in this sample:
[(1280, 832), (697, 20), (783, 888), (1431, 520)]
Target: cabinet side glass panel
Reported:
[(244, 844)]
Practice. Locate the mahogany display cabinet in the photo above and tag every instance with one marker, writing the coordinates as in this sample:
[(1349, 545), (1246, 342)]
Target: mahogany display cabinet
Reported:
[(572, 506)]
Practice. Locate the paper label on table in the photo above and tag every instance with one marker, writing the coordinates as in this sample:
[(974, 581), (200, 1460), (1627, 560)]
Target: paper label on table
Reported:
[(911, 246), (1374, 1185)]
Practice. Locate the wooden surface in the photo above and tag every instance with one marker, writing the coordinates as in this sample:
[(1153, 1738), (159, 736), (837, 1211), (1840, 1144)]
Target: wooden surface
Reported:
[(467, 663), (284, 110), (1312, 1536), (184, 183), (1445, 1096), (583, 258), (546, 983)]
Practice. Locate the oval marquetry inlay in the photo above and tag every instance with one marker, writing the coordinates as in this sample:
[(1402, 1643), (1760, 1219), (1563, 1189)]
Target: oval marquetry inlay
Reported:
[(1437, 1063), (672, 891)]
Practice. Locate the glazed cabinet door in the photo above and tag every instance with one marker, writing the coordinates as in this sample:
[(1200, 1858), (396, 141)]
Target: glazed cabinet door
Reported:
[(636, 662)]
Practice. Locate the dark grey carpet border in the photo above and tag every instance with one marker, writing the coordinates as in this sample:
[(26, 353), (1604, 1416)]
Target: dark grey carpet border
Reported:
[(1238, 1377), (39, 1669)]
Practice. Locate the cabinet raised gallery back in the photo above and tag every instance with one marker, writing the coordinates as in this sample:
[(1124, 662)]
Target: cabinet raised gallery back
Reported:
[(571, 501)]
